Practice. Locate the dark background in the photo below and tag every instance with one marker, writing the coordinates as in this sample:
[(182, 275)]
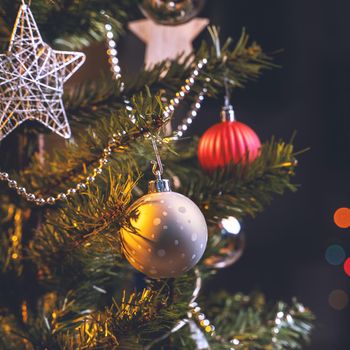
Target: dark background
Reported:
[(310, 93), (286, 244)]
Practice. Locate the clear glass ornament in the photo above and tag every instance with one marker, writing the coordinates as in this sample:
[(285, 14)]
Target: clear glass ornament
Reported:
[(171, 12), (229, 240)]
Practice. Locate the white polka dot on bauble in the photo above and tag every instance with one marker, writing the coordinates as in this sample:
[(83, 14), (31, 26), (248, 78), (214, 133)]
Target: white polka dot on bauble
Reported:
[(193, 256), (194, 237), (157, 221), (182, 210), (165, 213), (176, 242), (165, 227)]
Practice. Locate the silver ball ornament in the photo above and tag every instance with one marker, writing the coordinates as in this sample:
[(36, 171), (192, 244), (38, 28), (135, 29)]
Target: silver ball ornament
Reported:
[(168, 236), (229, 240), (172, 12)]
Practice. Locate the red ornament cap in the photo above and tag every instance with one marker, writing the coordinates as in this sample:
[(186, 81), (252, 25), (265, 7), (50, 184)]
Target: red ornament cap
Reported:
[(226, 142)]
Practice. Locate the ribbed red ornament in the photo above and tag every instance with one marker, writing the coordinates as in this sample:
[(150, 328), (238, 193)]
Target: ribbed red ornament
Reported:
[(226, 142)]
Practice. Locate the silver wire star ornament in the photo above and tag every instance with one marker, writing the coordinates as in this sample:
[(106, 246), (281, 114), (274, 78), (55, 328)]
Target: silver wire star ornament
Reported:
[(32, 75)]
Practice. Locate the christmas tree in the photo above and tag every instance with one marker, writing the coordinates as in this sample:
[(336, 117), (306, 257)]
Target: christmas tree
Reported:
[(110, 240)]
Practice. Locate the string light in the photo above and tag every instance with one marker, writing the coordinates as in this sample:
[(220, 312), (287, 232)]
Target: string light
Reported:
[(24, 309), (16, 237)]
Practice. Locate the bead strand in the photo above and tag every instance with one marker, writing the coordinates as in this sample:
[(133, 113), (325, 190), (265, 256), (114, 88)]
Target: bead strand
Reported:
[(192, 114), (280, 319), (179, 96), (112, 53), (81, 186), (195, 312), (185, 89)]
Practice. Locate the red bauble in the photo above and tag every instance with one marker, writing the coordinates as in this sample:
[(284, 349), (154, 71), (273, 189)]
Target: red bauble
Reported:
[(226, 142)]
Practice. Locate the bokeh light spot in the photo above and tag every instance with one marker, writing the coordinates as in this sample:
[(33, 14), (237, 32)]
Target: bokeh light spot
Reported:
[(335, 254), (338, 299), (347, 266), (342, 217)]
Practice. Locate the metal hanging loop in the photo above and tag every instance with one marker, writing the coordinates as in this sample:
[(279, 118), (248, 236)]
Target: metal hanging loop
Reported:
[(157, 167), (227, 112), (159, 184)]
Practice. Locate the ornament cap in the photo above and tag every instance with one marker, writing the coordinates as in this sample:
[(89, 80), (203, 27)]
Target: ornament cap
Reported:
[(227, 114), (159, 185)]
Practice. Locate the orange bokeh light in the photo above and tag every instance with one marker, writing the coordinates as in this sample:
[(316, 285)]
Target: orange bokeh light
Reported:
[(342, 217)]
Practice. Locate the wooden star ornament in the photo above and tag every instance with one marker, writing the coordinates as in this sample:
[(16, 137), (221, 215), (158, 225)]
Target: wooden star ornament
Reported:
[(167, 42), (32, 75)]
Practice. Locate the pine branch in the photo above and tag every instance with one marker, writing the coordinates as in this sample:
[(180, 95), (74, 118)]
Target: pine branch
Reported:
[(69, 166), (132, 320), (238, 65), (242, 322), (70, 24), (254, 325), (238, 190)]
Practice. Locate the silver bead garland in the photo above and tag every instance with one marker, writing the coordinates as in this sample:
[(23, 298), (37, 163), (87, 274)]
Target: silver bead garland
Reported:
[(195, 312), (51, 200), (113, 54), (191, 115), (40, 200), (185, 89), (179, 96)]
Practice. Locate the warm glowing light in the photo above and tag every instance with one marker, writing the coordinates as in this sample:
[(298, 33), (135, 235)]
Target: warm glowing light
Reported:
[(231, 225), (342, 217), (6, 328), (24, 312), (338, 299), (347, 266), (335, 254), (14, 256)]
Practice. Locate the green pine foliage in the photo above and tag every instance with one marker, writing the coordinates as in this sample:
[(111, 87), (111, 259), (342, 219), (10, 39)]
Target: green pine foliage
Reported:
[(64, 282)]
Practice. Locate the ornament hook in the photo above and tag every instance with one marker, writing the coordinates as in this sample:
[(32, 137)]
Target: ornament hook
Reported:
[(227, 112), (227, 93), (159, 184), (157, 167)]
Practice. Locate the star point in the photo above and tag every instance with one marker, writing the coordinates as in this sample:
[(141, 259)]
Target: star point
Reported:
[(32, 75), (167, 42)]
